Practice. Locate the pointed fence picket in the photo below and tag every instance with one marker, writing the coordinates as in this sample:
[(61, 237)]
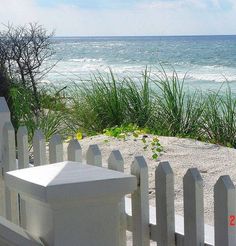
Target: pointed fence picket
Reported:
[(22, 147), (116, 163), (140, 205), (159, 224), (94, 156), (39, 148), (224, 208), (55, 149), (9, 161), (74, 151), (193, 208)]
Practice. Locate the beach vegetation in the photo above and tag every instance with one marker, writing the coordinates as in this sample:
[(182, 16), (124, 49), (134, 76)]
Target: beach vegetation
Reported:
[(156, 101)]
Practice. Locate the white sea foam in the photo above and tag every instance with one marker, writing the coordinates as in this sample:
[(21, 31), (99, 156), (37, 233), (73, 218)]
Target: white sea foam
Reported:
[(75, 68)]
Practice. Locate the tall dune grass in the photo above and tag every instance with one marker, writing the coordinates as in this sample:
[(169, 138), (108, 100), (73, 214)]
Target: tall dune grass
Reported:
[(219, 118), (177, 112), (156, 101)]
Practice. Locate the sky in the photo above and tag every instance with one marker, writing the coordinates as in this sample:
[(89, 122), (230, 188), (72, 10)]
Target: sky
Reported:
[(124, 17)]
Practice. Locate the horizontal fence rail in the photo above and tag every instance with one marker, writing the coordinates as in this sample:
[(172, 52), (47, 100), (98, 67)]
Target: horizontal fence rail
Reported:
[(159, 224)]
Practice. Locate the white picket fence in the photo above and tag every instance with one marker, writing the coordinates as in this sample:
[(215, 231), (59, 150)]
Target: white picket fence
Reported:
[(159, 224)]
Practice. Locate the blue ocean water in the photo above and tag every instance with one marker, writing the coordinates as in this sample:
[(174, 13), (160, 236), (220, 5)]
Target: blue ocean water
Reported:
[(207, 60)]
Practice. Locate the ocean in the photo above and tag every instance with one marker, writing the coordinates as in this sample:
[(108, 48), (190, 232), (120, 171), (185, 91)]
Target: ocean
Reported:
[(205, 61)]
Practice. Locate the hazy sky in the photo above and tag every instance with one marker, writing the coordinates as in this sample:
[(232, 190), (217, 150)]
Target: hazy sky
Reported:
[(124, 17)]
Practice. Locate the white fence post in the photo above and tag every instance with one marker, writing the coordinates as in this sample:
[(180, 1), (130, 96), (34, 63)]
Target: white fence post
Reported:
[(94, 156), (55, 149), (140, 203), (224, 208), (11, 206), (193, 208), (74, 151), (79, 205), (165, 214), (116, 163), (39, 148), (22, 147), (4, 117)]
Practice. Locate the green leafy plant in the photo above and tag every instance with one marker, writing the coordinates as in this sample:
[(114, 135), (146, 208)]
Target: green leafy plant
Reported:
[(139, 134), (155, 146)]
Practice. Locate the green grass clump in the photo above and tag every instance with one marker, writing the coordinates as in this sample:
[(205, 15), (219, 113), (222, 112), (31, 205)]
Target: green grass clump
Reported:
[(138, 99), (177, 112), (106, 101), (219, 118), (97, 104)]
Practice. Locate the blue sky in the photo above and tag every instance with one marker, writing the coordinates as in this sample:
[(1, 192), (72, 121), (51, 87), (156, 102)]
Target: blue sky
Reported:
[(124, 17)]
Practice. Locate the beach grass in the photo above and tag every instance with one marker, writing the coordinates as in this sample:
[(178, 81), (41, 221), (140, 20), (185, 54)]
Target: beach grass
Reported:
[(158, 102)]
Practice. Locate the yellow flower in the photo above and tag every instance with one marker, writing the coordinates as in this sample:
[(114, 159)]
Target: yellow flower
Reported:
[(79, 135)]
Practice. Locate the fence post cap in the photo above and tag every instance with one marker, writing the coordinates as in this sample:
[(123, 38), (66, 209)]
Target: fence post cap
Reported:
[(70, 181)]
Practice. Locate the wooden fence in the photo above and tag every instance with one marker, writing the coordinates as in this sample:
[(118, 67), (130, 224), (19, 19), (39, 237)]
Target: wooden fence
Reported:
[(159, 224)]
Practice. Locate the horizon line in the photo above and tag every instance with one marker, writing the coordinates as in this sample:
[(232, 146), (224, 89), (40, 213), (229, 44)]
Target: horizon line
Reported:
[(117, 36), (142, 36)]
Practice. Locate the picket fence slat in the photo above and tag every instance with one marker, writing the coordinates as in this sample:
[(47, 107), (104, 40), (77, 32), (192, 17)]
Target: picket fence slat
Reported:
[(39, 148), (224, 208), (55, 149), (140, 203), (165, 212), (9, 147), (116, 163), (94, 156), (9, 162), (193, 208), (74, 151), (22, 147)]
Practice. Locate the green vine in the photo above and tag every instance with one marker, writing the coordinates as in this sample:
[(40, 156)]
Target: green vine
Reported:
[(139, 134)]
